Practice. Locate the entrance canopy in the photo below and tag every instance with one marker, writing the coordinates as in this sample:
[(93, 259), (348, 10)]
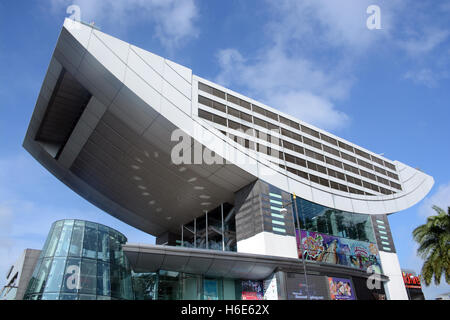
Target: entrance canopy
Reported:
[(151, 258)]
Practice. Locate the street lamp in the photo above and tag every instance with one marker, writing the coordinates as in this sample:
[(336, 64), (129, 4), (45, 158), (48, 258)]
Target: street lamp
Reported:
[(284, 210)]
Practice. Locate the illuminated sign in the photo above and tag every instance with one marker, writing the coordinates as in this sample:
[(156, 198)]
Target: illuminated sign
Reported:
[(411, 281)]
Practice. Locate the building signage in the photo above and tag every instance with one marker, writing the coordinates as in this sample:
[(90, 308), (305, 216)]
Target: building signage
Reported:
[(341, 289), (411, 281)]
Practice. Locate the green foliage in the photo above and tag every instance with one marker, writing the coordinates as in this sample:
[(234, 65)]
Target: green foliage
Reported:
[(433, 238)]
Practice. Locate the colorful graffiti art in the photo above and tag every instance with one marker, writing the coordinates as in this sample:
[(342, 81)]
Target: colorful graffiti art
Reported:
[(330, 249), (341, 289)]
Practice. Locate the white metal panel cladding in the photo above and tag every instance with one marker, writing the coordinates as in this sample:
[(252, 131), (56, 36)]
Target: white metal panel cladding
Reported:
[(147, 96)]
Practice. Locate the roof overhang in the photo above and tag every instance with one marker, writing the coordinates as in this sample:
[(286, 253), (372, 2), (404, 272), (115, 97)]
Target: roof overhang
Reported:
[(235, 265)]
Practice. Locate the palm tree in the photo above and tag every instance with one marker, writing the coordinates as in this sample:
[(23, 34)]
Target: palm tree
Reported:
[(434, 246)]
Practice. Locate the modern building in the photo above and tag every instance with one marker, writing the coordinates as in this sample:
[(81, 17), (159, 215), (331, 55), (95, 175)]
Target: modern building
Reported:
[(19, 275), (413, 285), (245, 201)]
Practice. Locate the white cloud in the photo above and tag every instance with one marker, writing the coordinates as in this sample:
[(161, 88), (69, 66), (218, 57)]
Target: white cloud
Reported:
[(425, 76), (174, 20), (440, 198), (294, 85), (424, 41), (332, 23)]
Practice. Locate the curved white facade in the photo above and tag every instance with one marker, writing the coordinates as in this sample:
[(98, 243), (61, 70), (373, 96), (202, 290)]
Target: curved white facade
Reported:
[(139, 99)]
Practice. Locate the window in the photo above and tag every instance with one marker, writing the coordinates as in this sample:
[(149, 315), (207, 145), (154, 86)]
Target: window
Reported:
[(310, 131), (369, 175), (395, 185), (333, 162), (290, 123), (331, 150), (238, 101), (293, 147), (348, 157), (345, 146), (383, 180), (389, 165), (328, 139), (392, 175), (265, 112), (353, 180), (355, 191), (316, 167), (362, 154), (212, 104), (205, 88), (380, 170), (377, 160), (314, 155), (239, 114), (364, 164), (205, 115), (312, 143), (336, 174), (351, 168), (291, 135)]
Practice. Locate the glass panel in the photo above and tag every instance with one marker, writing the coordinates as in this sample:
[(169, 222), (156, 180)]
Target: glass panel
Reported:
[(212, 289), (201, 232), (90, 242), (55, 276), (42, 276), (103, 279), (115, 280), (229, 225), (145, 286), (68, 296), (50, 296), (76, 244), (191, 287), (229, 289), (363, 225), (115, 251), (64, 241), (342, 225), (125, 284), (188, 235), (103, 245), (215, 229), (54, 239), (71, 281), (168, 286), (88, 280)]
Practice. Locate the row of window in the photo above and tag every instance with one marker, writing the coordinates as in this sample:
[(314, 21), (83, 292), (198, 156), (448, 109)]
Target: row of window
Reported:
[(302, 162), (248, 118), (292, 124)]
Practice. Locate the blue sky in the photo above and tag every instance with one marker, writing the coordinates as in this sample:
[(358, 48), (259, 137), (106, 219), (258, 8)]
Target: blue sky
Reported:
[(386, 90)]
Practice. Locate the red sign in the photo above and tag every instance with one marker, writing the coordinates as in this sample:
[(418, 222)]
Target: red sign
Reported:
[(411, 281)]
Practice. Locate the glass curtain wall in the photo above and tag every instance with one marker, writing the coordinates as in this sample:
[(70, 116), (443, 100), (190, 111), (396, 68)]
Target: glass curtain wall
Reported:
[(321, 219), (215, 230), (334, 236), (171, 285), (81, 260)]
